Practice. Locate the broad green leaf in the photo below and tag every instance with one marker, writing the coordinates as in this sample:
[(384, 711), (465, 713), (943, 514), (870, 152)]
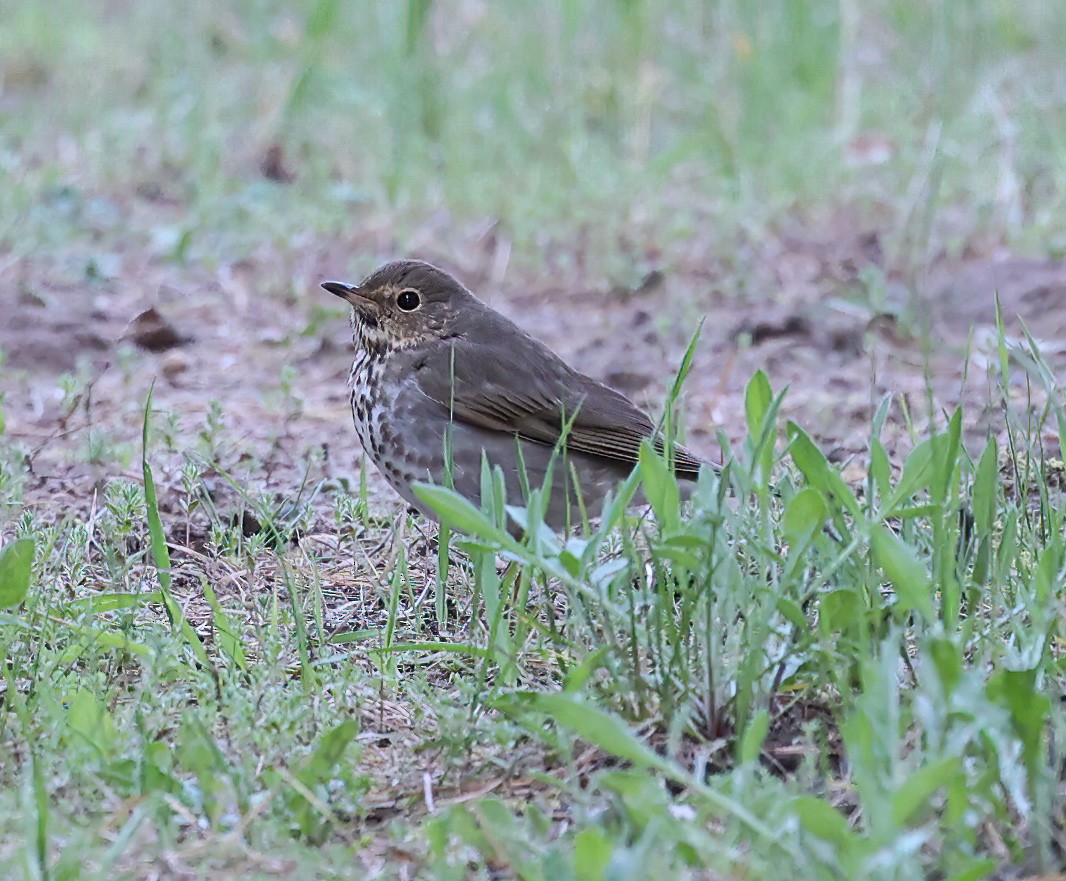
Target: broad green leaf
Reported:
[(758, 397), (1009, 546), (880, 470), (880, 415), (792, 612), (947, 460), (455, 648), (914, 512), (593, 849), (823, 820), (947, 659), (16, 567), (89, 719), (157, 764), (229, 635), (590, 723), (355, 635), (660, 487), (460, 513), (818, 473), (613, 736), (841, 611), (808, 458), (804, 516), (914, 793), (753, 738), (328, 752), (198, 753), (1046, 572), (623, 497), (98, 638), (917, 473), (109, 602), (985, 489), (494, 491), (320, 21), (578, 676), (908, 575), (977, 870), (415, 20), (1029, 708), (681, 558)]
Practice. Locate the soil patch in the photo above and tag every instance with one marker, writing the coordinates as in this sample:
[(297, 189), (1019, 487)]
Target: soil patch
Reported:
[(276, 363)]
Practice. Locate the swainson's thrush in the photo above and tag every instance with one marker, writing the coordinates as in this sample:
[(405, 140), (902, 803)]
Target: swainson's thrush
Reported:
[(429, 355)]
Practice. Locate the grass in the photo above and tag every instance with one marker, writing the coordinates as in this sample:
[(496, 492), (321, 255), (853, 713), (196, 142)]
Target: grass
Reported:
[(807, 680), (801, 674), (634, 121)]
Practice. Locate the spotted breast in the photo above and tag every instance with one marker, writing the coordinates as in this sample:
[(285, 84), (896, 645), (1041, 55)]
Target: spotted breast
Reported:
[(364, 394), (386, 412)]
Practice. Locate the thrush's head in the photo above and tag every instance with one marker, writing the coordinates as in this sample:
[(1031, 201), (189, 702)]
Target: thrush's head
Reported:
[(402, 304)]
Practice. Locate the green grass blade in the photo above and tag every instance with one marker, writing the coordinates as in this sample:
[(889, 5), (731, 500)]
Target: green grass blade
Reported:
[(16, 568), (612, 735), (904, 570), (229, 636), (160, 551)]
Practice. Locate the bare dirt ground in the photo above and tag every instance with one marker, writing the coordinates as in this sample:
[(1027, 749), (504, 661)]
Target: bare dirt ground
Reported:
[(796, 310)]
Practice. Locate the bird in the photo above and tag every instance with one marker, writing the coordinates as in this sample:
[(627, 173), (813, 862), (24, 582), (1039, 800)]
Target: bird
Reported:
[(440, 380)]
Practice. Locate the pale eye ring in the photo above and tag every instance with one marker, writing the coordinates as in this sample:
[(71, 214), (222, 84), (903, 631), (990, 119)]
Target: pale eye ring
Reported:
[(408, 300)]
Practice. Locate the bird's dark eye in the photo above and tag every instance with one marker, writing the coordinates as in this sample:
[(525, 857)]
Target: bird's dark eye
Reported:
[(408, 300)]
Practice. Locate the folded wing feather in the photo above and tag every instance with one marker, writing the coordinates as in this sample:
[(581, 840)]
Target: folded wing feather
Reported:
[(478, 387)]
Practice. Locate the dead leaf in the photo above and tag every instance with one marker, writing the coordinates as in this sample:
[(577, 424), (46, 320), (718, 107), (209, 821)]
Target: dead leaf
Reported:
[(151, 331)]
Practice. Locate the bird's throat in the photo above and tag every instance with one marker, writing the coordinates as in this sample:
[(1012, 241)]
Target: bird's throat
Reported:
[(368, 334)]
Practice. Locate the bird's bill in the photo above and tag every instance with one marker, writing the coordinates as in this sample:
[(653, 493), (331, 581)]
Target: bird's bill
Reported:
[(352, 294)]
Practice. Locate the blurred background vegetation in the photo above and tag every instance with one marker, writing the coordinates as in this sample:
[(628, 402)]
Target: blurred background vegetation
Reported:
[(574, 125)]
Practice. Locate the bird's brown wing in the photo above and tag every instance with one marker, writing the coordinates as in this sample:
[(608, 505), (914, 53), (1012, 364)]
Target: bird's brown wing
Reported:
[(531, 392)]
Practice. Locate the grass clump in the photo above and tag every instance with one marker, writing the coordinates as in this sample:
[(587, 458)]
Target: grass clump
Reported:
[(804, 674), (212, 673)]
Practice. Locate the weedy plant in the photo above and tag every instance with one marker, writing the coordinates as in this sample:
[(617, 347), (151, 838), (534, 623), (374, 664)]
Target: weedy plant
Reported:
[(915, 621), (807, 677), (791, 673)]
